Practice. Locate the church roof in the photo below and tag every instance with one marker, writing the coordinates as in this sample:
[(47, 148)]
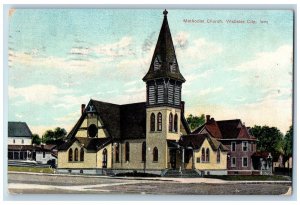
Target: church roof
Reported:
[(18, 129), (196, 140), (164, 55)]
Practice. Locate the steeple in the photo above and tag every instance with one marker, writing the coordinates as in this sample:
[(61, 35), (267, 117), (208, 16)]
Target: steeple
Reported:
[(164, 80), (164, 63)]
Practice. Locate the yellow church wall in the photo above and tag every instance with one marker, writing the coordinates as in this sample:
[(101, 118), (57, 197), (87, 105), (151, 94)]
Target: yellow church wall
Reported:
[(135, 155), (63, 158), (212, 164)]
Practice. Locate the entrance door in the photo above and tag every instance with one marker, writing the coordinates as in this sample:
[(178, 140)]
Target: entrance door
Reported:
[(173, 158), (104, 158)]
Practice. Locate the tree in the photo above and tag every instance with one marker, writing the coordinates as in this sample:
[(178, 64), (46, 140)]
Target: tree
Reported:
[(270, 139), (288, 144), (36, 139), (56, 136), (195, 121)]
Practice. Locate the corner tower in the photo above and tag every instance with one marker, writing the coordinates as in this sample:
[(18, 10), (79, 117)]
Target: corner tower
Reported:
[(164, 82)]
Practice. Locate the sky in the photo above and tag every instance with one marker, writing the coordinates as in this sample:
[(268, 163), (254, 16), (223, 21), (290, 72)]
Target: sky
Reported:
[(59, 59)]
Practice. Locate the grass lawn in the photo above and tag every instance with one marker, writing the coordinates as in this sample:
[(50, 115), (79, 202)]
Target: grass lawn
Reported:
[(30, 169), (251, 177)]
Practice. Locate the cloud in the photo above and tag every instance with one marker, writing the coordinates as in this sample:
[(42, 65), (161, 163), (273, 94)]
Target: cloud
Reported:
[(267, 70), (37, 94), (118, 49), (209, 91), (181, 40), (269, 61), (69, 117), (198, 50)]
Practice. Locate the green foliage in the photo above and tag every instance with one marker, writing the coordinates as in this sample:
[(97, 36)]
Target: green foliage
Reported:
[(36, 139), (288, 143), (30, 169), (56, 136), (195, 121), (270, 139)]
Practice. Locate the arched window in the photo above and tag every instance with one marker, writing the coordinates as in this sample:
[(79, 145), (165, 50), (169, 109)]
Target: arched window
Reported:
[(117, 151), (144, 152), (170, 122), (203, 155), (104, 158), (82, 154), (70, 155), (207, 155), (152, 122), (155, 154), (76, 155), (218, 156), (127, 151), (176, 123), (159, 121)]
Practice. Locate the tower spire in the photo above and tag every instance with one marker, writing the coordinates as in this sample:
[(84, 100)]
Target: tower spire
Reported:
[(164, 63)]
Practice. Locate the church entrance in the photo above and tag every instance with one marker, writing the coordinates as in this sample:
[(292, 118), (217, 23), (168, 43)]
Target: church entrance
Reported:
[(104, 158), (173, 158)]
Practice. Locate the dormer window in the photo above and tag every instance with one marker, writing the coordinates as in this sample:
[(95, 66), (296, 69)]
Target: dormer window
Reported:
[(173, 66), (157, 63)]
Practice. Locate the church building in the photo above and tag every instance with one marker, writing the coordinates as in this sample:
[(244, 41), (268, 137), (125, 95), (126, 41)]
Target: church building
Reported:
[(150, 137)]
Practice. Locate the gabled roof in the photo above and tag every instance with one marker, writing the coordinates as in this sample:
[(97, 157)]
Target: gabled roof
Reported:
[(18, 129), (225, 129), (164, 53), (196, 140)]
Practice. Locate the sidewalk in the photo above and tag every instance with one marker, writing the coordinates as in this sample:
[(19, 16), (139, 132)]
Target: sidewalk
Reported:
[(181, 180)]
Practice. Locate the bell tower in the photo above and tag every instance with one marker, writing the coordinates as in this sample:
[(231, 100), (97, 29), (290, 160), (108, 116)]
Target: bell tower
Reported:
[(163, 83)]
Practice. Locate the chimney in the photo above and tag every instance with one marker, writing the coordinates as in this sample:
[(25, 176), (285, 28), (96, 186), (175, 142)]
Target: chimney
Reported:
[(82, 108), (207, 118), (182, 107)]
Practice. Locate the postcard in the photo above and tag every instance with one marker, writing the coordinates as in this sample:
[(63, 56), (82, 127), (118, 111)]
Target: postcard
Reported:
[(150, 101)]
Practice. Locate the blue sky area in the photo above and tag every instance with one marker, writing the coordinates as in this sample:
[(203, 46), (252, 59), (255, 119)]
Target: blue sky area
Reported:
[(61, 58)]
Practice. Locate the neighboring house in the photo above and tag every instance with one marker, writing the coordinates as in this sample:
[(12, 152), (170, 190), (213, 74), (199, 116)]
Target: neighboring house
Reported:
[(46, 154), (143, 137), (205, 154), (20, 142), (236, 137)]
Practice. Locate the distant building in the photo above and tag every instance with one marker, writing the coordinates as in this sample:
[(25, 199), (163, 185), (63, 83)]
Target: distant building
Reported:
[(20, 145), (20, 142), (46, 154)]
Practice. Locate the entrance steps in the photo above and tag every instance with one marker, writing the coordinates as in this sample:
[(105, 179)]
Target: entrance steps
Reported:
[(186, 173)]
